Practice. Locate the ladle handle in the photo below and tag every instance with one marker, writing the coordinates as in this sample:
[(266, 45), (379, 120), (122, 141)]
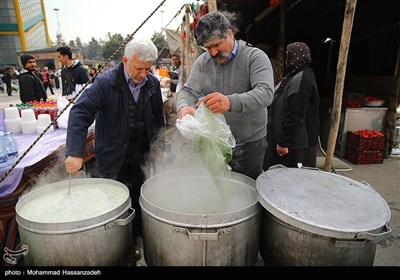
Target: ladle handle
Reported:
[(69, 183)]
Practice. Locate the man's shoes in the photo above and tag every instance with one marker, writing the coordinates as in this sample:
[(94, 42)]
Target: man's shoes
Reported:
[(134, 257)]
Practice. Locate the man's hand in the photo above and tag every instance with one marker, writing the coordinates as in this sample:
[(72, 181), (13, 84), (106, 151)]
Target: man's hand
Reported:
[(281, 151), (73, 164), (186, 110), (217, 102)]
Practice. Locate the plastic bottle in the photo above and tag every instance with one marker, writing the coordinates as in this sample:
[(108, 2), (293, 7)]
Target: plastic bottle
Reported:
[(11, 147), (3, 151)]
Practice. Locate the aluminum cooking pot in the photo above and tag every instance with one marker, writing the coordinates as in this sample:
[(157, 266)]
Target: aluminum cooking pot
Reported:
[(89, 225)]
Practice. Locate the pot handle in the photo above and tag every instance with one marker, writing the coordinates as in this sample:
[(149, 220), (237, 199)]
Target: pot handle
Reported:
[(203, 235), (375, 237), (121, 222)]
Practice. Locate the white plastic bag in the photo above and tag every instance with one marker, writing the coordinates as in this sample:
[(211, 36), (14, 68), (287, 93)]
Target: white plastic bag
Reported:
[(212, 135), (62, 120), (206, 124)]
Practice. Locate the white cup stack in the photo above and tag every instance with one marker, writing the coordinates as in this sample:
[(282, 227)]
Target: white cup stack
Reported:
[(28, 122), (12, 119), (43, 121)]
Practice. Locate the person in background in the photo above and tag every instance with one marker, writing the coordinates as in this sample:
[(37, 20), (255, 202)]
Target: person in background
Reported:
[(237, 81), (127, 105), (92, 72), (46, 79), (31, 87), (293, 120), (175, 73), (72, 73), (7, 77)]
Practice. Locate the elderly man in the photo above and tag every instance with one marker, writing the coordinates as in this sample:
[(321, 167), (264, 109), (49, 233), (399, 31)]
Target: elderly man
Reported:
[(127, 104), (237, 81)]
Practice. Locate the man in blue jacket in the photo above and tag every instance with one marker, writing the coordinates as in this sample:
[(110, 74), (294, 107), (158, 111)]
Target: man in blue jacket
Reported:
[(127, 105)]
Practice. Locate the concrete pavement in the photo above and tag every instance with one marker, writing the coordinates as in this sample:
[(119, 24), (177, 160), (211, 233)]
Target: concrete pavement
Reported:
[(385, 179)]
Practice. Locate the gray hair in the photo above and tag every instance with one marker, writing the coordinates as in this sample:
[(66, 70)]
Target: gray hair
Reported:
[(211, 26), (144, 48)]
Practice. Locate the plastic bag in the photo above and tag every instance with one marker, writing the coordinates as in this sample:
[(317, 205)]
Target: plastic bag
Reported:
[(213, 137), (62, 102), (62, 120)]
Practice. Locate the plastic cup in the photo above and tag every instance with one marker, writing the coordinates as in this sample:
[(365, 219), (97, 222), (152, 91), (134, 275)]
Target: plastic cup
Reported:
[(11, 113), (28, 115), (13, 125), (44, 120)]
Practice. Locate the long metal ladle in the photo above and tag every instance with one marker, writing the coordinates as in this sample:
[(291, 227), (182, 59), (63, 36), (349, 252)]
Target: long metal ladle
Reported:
[(69, 183)]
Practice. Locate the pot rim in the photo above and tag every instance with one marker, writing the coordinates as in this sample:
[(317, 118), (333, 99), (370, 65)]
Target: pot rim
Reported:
[(199, 220), (322, 203)]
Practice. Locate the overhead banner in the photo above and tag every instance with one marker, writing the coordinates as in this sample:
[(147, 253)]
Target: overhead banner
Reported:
[(174, 41)]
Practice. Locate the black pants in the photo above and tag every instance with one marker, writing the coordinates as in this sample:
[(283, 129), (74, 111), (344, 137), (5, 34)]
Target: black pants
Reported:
[(9, 88), (133, 176), (48, 86), (248, 158)]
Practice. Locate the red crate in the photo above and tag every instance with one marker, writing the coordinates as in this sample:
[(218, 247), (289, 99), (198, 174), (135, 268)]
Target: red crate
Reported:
[(364, 157), (360, 143)]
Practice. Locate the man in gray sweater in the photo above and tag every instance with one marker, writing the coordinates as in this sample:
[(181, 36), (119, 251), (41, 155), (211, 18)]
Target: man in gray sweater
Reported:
[(237, 81)]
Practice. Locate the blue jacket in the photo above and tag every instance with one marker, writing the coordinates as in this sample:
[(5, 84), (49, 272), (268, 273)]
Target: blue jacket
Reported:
[(106, 100)]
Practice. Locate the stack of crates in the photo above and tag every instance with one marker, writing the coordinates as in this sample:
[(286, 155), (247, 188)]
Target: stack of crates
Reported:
[(365, 147)]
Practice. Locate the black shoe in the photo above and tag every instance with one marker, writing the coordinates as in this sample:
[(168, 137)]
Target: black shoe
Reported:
[(133, 258)]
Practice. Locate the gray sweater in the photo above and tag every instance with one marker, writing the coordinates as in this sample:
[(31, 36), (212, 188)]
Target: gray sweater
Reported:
[(248, 82)]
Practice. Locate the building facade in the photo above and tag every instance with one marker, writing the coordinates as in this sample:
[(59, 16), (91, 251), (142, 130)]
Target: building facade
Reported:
[(23, 28)]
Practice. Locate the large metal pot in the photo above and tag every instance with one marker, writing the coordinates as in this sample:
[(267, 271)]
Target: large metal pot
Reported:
[(188, 219), (89, 224), (316, 218)]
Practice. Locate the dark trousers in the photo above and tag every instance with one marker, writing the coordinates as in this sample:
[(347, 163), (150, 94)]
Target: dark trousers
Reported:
[(48, 86), (133, 176), (248, 158), (57, 82), (9, 88)]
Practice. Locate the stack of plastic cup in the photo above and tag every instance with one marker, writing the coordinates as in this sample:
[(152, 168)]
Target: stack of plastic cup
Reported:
[(44, 120), (12, 119), (28, 122)]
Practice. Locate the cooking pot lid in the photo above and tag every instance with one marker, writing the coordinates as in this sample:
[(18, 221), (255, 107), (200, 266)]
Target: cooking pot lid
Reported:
[(321, 202), (86, 199)]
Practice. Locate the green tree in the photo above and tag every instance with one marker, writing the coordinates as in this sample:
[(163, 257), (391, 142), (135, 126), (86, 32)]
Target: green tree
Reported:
[(78, 42), (71, 44), (60, 40), (93, 50), (112, 43), (159, 40)]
